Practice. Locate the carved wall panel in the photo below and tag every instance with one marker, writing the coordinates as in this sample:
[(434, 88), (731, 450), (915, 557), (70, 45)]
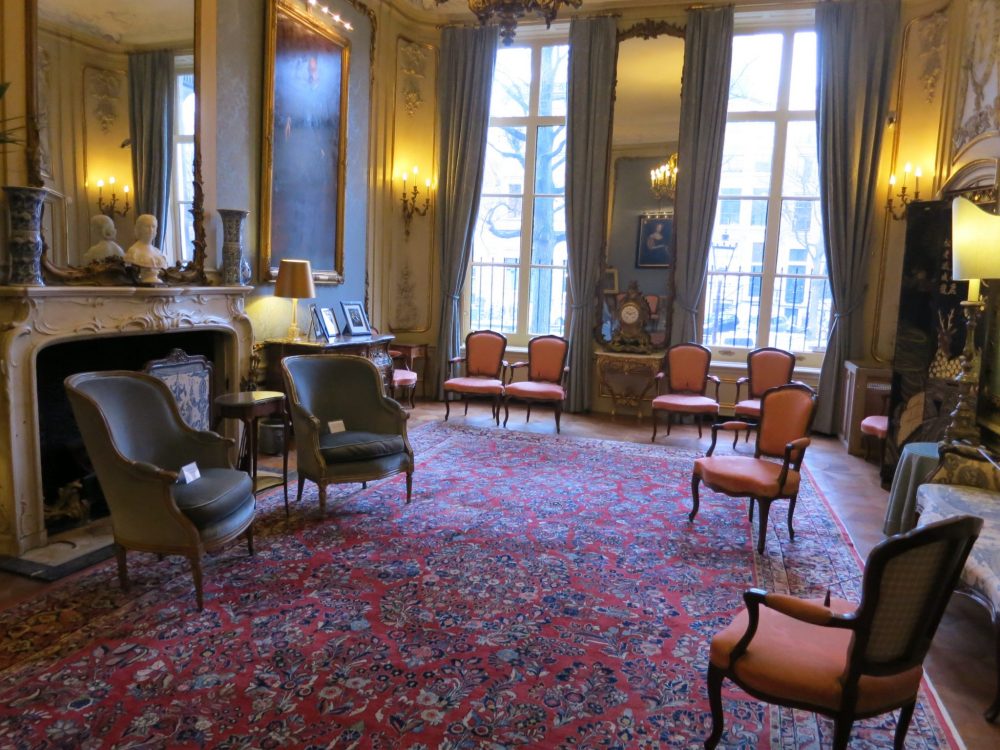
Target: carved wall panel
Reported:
[(411, 264), (977, 114)]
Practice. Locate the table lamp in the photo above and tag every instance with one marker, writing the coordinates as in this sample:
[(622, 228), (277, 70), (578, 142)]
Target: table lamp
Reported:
[(294, 282), (975, 255)]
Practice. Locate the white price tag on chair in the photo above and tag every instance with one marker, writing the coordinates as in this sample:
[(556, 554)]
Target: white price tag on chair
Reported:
[(336, 425), (189, 473)]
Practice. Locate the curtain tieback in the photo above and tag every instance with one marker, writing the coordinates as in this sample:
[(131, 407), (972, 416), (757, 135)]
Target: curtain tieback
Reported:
[(578, 307), (690, 310), (455, 297), (838, 316)]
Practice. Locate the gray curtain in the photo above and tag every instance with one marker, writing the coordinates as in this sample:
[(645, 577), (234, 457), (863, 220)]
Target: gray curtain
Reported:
[(593, 52), (464, 83), (151, 127), (708, 52), (856, 53)]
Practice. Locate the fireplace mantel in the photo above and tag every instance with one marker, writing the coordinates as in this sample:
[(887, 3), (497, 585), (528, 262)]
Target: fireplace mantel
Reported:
[(32, 318)]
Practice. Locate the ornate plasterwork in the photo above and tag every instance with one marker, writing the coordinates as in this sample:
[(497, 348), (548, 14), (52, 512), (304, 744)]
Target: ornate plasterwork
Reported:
[(406, 309), (412, 72), (978, 111), (103, 93), (932, 33), (32, 318)]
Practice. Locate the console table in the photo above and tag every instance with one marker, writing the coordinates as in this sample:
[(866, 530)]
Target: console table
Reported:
[(375, 348), (627, 379)]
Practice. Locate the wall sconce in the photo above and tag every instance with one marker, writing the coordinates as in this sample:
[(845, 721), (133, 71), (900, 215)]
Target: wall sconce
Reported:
[(410, 201), (663, 179), (110, 208), (904, 199), (975, 255)]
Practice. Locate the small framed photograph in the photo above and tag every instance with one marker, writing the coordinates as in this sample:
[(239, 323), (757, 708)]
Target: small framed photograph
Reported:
[(317, 322), (610, 280), (655, 248), (329, 322), (355, 319)]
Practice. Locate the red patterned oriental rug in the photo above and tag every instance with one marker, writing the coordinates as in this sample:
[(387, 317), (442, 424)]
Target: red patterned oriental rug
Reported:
[(539, 592)]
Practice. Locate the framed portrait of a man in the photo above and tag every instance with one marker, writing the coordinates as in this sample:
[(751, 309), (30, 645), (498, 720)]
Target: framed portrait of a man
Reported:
[(305, 127), (355, 319), (655, 248)]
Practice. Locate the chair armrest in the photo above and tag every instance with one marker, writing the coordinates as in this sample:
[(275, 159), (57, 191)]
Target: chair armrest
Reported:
[(515, 365), (510, 370), (452, 363), (658, 379), (795, 451), (715, 379), (731, 426), (210, 449), (740, 382), (799, 609)]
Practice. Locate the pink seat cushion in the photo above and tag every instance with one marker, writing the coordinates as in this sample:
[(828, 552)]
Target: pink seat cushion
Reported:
[(876, 426), (686, 403), (486, 386), (536, 391), (805, 663), (748, 408), (402, 378), (742, 475)]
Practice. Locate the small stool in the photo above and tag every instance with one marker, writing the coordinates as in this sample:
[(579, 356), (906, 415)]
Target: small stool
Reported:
[(249, 407), (876, 426)]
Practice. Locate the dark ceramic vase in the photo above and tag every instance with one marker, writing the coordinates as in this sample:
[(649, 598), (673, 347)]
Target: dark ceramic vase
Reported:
[(25, 242)]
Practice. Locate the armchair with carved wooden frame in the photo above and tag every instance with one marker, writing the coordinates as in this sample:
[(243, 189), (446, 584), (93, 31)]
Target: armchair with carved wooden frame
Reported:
[(685, 371), (546, 383), (842, 660), (484, 370), (767, 367), (786, 417)]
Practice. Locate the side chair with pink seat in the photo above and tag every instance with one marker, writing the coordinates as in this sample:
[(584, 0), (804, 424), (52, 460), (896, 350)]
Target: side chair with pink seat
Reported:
[(484, 368), (786, 417), (685, 372), (546, 382), (843, 660), (767, 367)]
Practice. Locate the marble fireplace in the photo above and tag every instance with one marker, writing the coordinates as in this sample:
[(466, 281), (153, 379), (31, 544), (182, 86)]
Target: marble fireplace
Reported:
[(36, 319)]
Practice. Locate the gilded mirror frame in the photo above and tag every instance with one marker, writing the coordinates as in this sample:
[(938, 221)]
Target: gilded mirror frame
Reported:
[(304, 21), (647, 28), (113, 272)]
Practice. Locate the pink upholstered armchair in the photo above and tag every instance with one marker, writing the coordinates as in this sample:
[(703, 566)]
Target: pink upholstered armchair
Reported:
[(546, 383), (484, 367), (767, 367), (839, 659), (786, 417), (685, 373)]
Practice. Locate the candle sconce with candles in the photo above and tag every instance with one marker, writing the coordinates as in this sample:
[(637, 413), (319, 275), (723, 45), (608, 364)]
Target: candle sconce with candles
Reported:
[(904, 198), (410, 201), (110, 208)]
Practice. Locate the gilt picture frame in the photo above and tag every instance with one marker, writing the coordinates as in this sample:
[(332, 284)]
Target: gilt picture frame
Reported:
[(304, 143)]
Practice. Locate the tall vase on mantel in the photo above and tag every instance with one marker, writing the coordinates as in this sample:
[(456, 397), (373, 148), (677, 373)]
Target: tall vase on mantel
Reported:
[(235, 268), (24, 244)]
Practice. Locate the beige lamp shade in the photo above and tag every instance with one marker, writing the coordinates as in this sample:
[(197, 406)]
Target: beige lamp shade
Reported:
[(295, 280), (975, 241)]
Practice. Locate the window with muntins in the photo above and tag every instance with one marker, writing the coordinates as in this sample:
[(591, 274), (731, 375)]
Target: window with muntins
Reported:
[(767, 282), (517, 277)]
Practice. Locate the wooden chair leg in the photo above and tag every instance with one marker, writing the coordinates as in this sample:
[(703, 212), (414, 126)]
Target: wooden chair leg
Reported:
[(715, 702), (765, 511), (322, 497), (197, 575), (695, 480), (698, 418), (652, 417), (506, 411), (409, 487), (250, 540), (413, 390), (122, 567), (447, 407), (302, 485), (903, 724), (466, 401), (558, 414), (527, 415), (842, 732), (994, 710), (791, 511)]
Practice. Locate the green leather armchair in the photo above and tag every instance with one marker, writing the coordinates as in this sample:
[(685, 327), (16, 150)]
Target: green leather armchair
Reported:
[(324, 388), (137, 442)]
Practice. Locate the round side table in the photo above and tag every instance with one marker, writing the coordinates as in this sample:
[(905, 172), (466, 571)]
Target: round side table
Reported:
[(916, 463), (249, 407)]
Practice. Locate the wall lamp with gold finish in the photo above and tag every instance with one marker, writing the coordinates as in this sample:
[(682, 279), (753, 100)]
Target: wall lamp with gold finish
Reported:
[(410, 208)]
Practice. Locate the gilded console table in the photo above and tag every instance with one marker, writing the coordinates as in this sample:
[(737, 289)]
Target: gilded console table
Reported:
[(627, 379)]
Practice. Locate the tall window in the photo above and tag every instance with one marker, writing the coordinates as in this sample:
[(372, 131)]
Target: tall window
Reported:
[(180, 232), (517, 279), (767, 278)]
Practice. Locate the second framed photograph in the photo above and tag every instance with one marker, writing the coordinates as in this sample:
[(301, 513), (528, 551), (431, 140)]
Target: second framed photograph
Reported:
[(317, 322), (355, 319), (329, 321)]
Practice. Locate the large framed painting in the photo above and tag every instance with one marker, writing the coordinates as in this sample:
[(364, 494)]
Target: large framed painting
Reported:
[(655, 248), (305, 127)]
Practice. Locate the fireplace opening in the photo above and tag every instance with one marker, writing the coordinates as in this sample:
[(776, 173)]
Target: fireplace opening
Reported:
[(71, 493)]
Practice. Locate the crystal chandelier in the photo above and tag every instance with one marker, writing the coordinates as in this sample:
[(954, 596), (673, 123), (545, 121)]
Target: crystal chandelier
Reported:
[(507, 12), (663, 179)]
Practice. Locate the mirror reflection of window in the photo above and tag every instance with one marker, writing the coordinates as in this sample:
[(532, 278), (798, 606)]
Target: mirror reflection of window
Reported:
[(180, 231)]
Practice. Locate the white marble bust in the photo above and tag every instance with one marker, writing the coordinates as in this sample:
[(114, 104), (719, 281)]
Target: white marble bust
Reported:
[(103, 228), (142, 252)]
